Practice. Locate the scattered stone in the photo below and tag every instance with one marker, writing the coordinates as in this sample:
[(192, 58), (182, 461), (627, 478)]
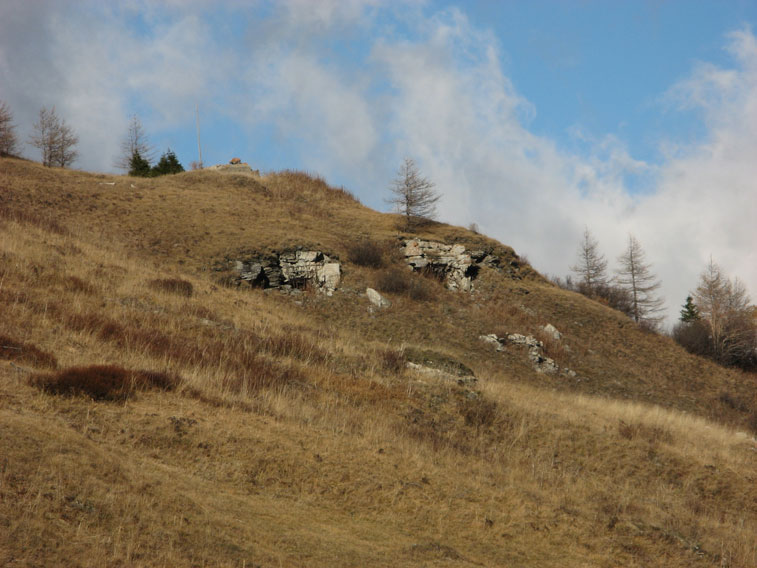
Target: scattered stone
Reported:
[(552, 332), (493, 340), (377, 299), (541, 363), (527, 340)]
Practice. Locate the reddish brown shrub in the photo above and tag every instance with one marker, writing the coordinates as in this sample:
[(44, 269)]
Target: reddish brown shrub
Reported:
[(173, 286), (103, 382), (392, 361), (13, 350), (478, 412)]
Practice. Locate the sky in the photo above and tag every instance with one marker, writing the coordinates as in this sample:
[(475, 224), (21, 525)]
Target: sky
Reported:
[(535, 120)]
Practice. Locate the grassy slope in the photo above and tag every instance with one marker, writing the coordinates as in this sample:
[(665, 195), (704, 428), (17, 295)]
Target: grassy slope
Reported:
[(336, 458)]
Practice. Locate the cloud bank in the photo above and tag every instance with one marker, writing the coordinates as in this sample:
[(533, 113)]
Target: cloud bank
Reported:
[(348, 89)]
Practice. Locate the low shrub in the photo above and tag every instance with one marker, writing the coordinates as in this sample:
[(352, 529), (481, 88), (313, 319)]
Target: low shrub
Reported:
[(103, 382), (394, 281), (13, 350), (366, 253), (392, 361), (478, 412), (173, 286), (404, 281)]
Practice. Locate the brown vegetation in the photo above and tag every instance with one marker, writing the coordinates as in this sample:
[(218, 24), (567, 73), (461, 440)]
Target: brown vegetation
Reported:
[(297, 436), (13, 350), (103, 382)]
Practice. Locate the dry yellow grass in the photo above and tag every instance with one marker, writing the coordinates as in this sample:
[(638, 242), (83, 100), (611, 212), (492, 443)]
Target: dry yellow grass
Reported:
[(294, 440)]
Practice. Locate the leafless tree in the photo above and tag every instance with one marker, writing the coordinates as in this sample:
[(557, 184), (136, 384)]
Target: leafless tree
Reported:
[(55, 139), (591, 266), (724, 306), (8, 140), (135, 142), (414, 195), (635, 276)]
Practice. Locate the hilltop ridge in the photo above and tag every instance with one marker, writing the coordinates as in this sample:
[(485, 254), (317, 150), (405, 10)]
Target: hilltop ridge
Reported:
[(302, 428)]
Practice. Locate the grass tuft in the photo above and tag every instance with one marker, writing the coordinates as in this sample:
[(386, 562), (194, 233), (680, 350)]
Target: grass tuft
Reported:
[(172, 286), (13, 350)]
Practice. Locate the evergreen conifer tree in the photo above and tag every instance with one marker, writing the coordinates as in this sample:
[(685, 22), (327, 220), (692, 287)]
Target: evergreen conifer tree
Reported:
[(690, 312), (138, 166), (168, 164)]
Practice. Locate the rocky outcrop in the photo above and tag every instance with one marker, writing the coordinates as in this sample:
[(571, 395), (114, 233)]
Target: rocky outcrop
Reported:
[(289, 270), (234, 168), (454, 264)]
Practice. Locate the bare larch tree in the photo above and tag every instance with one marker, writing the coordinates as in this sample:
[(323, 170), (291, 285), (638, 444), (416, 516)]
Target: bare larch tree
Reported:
[(724, 306), (591, 265), (8, 140), (635, 276), (414, 195), (55, 139), (135, 143)]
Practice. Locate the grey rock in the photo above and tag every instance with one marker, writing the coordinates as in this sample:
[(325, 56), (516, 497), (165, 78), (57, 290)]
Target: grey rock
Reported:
[(290, 270), (377, 299), (552, 331), (492, 340), (541, 363)]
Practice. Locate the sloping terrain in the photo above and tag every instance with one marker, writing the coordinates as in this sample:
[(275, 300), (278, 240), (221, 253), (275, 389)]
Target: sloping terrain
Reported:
[(285, 429)]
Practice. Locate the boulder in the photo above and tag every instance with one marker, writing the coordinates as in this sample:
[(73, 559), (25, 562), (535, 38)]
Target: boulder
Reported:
[(377, 299), (551, 330)]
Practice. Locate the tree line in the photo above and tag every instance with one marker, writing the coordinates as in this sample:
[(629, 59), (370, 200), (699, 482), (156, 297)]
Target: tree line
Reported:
[(57, 143), (717, 319)]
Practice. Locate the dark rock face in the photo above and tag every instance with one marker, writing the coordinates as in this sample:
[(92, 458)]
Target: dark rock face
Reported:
[(290, 270)]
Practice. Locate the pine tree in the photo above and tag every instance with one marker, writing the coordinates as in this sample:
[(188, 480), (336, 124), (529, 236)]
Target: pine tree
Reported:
[(634, 275), (690, 312), (591, 266), (168, 164)]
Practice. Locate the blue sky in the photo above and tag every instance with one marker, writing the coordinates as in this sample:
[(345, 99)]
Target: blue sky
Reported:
[(535, 119)]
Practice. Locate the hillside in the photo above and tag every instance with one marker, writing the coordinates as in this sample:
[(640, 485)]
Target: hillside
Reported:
[(262, 428)]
